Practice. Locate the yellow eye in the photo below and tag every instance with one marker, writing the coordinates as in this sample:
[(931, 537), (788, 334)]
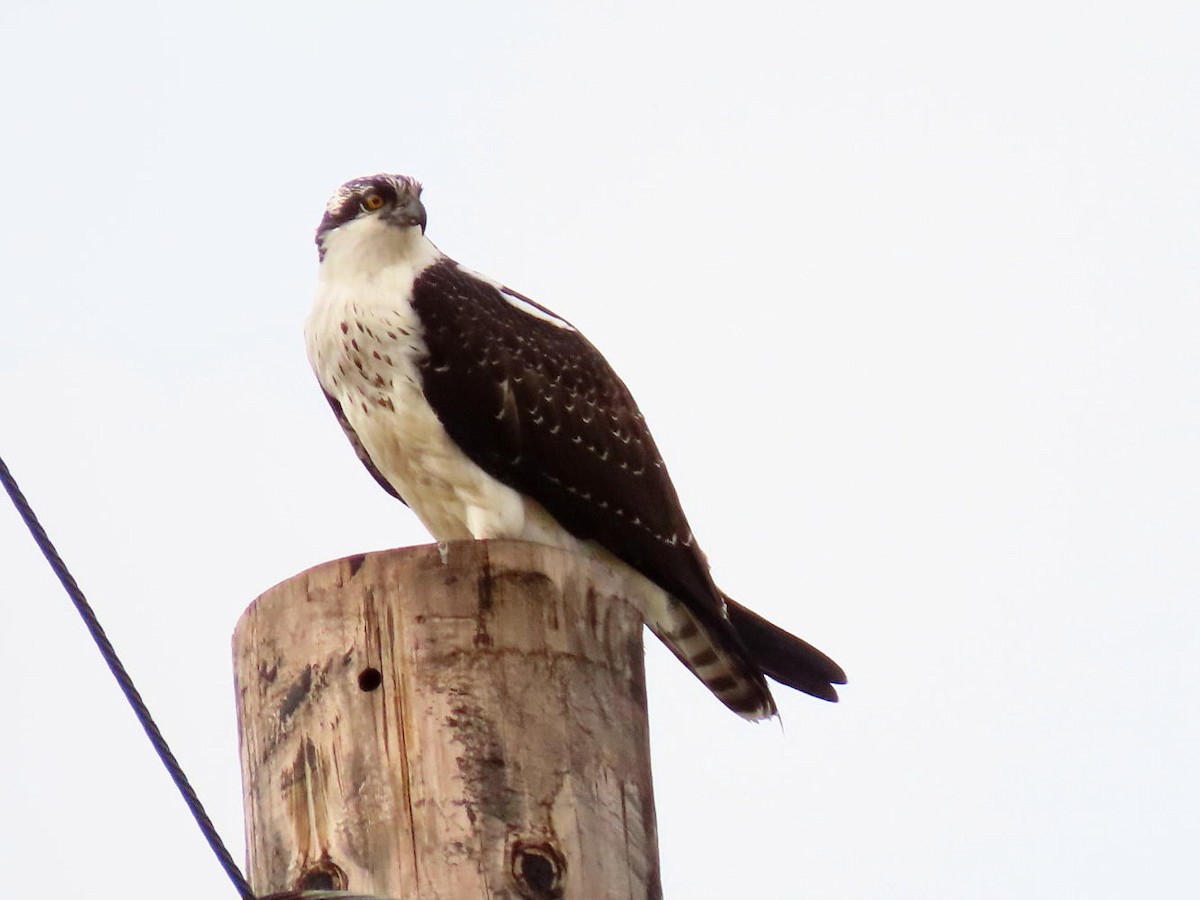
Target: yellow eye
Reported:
[(372, 202)]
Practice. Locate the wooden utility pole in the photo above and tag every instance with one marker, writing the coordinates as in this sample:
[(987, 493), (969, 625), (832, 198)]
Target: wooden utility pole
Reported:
[(449, 722)]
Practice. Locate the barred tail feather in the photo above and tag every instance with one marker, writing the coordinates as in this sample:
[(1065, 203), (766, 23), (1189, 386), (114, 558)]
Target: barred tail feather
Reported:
[(785, 657), (723, 669)]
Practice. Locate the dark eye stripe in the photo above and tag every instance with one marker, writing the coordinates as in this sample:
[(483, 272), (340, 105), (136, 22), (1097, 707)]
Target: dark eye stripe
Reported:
[(350, 200)]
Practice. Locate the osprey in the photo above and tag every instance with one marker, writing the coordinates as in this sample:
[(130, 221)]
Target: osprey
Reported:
[(492, 417)]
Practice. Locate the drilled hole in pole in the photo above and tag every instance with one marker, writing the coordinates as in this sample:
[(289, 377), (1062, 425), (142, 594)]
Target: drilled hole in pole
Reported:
[(369, 679)]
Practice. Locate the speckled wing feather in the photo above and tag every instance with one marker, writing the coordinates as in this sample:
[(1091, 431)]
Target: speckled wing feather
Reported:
[(538, 408)]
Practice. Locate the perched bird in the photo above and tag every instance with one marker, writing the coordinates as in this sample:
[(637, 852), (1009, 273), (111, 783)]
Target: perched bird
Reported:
[(492, 417)]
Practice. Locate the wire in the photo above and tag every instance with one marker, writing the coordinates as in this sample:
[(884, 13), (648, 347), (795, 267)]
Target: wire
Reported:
[(131, 694)]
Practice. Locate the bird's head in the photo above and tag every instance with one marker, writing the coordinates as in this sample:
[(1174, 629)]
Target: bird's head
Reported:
[(377, 205)]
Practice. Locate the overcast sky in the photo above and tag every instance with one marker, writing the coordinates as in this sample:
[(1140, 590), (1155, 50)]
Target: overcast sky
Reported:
[(907, 291)]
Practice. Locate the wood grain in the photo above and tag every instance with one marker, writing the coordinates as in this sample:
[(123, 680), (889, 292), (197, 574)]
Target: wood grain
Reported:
[(448, 722)]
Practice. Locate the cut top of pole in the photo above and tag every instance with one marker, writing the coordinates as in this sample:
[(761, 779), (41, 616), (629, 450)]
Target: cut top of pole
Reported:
[(462, 720)]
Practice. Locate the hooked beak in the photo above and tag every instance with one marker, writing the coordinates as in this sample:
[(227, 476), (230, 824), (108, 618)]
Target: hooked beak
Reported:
[(407, 214)]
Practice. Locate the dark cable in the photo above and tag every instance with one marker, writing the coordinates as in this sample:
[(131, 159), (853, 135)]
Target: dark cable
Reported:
[(114, 664)]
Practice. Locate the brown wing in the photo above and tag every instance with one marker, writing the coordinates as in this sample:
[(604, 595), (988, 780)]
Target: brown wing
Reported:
[(537, 407)]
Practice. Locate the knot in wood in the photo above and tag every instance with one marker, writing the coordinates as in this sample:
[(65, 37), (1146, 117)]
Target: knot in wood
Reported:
[(323, 875), (537, 869)]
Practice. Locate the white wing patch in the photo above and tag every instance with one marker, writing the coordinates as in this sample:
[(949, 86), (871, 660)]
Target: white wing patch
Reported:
[(530, 308), (524, 304)]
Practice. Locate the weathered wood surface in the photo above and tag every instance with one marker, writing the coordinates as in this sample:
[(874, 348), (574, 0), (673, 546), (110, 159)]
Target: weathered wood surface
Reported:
[(447, 722)]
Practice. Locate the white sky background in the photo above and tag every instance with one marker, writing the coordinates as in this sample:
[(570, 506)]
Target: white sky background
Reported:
[(908, 293)]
